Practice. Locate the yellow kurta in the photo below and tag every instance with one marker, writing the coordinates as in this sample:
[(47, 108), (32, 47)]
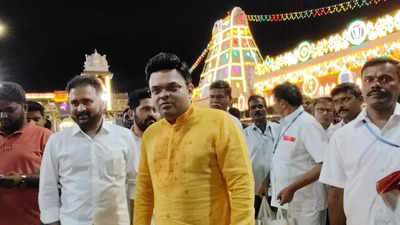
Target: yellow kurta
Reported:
[(195, 172)]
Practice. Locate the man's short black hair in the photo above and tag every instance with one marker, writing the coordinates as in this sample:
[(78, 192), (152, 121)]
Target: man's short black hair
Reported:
[(381, 60), (136, 96), (85, 80), (346, 88), (254, 97), (234, 112), (12, 92), (288, 92), (167, 61), (221, 84), (35, 106)]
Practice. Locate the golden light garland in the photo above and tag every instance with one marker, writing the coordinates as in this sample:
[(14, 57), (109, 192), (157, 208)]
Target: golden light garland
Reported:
[(332, 67), (335, 43)]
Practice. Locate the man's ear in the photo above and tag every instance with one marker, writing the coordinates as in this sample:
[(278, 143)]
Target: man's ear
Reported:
[(25, 107)]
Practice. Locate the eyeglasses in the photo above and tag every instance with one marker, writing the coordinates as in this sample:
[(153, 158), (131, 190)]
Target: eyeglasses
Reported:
[(322, 110), (8, 110)]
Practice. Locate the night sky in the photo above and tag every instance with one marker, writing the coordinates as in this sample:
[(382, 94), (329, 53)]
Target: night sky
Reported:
[(47, 41)]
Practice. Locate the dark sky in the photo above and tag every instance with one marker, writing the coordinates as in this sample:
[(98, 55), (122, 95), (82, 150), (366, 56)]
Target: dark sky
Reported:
[(47, 40)]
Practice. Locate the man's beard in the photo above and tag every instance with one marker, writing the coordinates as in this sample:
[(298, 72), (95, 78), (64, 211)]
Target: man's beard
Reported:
[(143, 125), (9, 126), (90, 122)]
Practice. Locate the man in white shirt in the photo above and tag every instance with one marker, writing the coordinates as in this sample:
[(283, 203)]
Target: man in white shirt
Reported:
[(324, 111), (347, 99), (143, 113), (260, 140), (90, 163), (221, 98), (367, 149), (296, 163)]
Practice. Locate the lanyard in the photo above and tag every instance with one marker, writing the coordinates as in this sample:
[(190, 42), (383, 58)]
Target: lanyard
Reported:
[(270, 132), (379, 138), (286, 129)]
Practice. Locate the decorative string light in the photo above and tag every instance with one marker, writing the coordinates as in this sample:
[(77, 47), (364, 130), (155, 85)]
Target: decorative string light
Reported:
[(357, 33), (200, 59), (313, 13)]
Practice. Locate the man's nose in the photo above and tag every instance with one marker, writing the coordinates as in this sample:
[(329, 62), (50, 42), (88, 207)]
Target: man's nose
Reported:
[(164, 93), (81, 107), (376, 83)]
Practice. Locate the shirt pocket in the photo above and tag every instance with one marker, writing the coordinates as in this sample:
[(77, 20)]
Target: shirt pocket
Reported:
[(286, 149), (115, 164)]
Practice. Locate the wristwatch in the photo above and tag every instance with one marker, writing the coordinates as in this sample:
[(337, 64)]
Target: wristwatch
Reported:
[(23, 182)]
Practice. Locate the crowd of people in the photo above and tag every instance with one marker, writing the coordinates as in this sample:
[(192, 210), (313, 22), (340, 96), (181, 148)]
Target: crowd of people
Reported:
[(322, 163)]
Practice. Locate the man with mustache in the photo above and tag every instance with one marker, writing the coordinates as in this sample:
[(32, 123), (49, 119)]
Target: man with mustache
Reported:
[(297, 157), (21, 149), (195, 167), (260, 137), (143, 113), (347, 99), (366, 149), (90, 164), (220, 97)]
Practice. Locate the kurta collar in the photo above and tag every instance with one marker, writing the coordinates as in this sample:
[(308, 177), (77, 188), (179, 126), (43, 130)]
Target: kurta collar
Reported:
[(182, 119)]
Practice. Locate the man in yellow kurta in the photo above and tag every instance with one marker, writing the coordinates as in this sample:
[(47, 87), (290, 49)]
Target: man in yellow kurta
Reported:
[(195, 168)]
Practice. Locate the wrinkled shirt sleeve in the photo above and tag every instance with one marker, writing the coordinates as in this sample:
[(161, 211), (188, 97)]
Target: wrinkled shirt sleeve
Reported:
[(234, 163), (332, 172), (49, 199), (315, 140), (144, 202)]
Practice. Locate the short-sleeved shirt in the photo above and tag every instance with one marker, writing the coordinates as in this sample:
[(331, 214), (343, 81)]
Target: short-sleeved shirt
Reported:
[(333, 128), (261, 145), (356, 160), (299, 148), (21, 152)]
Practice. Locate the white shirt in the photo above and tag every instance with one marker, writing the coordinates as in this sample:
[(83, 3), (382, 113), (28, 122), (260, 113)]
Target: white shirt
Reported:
[(138, 150), (260, 150), (333, 128), (300, 148), (92, 174), (356, 160)]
